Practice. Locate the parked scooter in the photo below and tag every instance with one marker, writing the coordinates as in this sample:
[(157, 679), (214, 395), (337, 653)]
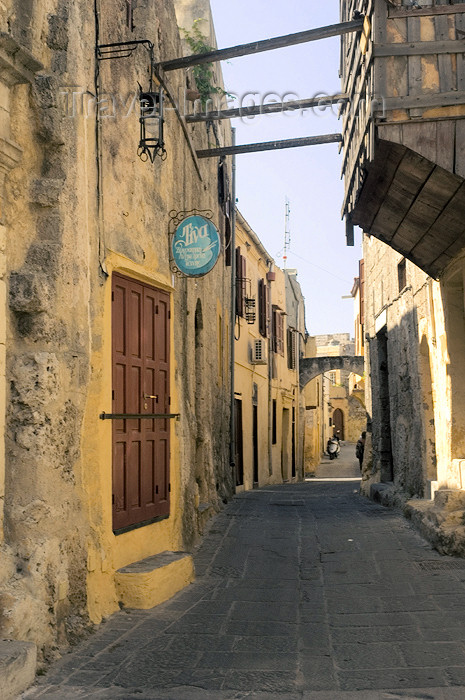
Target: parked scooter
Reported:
[(333, 448)]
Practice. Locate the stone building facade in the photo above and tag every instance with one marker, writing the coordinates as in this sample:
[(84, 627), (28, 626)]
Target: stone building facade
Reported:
[(343, 413), (403, 129), (270, 335), (85, 269)]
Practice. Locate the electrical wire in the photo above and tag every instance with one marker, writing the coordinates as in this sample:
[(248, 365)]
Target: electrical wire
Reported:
[(342, 279)]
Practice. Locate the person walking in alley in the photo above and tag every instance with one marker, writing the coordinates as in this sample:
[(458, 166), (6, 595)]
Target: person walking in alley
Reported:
[(360, 448)]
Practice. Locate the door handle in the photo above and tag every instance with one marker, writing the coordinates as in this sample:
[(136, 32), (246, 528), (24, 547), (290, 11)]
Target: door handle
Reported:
[(150, 396)]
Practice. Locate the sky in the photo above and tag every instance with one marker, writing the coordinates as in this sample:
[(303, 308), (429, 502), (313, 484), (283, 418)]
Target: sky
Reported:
[(309, 177)]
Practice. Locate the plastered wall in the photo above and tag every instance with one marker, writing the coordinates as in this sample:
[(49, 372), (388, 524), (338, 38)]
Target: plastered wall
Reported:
[(79, 206)]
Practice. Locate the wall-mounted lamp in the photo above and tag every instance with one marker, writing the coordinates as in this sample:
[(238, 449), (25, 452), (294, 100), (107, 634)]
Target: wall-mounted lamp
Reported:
[(151, 142)]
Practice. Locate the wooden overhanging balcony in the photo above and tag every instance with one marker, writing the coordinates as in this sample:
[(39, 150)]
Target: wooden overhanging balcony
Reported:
[(404, 128)]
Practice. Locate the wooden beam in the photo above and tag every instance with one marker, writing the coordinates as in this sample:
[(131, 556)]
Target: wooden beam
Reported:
[(424, 101), (265, 45), (420, 48), (456, 9), (269, 146), (274, 108)]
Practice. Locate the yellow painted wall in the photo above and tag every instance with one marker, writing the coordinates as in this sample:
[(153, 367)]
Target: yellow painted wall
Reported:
[(81, 206), (275, 460), (108, 552)]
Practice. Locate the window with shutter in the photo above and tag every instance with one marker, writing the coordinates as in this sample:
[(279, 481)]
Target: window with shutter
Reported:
[(281, 334), (291, 349), (263, 308), (129, 14), (277, 338), (241, 272)]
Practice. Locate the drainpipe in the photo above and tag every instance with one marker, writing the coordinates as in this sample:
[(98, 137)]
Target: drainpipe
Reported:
[(270, 371), (232, 424), (299, 447)]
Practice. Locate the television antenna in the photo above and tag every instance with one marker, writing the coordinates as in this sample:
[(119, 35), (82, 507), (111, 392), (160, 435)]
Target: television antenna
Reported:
[(287, 232)]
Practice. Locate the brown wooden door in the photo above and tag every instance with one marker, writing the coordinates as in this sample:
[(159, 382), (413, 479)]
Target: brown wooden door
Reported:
[(338, 424), (239, 443), (141, 371)]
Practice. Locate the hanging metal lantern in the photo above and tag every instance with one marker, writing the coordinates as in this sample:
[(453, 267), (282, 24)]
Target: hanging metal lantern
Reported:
[(151, 141)]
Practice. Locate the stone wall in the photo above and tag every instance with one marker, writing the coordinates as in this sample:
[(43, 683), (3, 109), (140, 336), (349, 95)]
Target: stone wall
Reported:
[(395, 406), (81, 205)]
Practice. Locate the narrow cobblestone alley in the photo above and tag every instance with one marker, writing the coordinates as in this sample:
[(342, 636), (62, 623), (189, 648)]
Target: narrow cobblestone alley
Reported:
[(303, 591)]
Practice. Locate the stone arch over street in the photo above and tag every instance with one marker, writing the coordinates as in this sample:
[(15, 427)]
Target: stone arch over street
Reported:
[(313, 366)]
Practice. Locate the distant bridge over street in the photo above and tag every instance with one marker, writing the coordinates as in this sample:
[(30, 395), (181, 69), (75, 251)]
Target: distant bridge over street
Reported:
[(311, 367)]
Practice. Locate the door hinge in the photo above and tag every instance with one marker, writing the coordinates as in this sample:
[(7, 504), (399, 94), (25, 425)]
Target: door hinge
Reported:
[(169, 314), (113, 394), (169, 488), (169, 400), (113, 296), (113, 499)]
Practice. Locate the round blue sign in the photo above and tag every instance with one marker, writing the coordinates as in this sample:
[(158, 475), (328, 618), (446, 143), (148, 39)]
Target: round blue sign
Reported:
[(196, 246)]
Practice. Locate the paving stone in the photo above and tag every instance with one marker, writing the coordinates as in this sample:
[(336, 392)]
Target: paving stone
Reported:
[(287, 609), (271, 644), (394, 619), (353, 635), (202, 642), (281, 612), (391, 678), (318, 673), (197, 623), (367, 655), (314, 638), (270, 682), (261, 628), (250, 660), (433, 653)]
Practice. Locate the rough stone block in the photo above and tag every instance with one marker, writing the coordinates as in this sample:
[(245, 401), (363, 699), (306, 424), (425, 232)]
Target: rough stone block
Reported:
[(151, 581), (57, 33), (17, 667), (50, 226), (449, 499), (43, 256), (46, 191), (45, 90), (29, 292)]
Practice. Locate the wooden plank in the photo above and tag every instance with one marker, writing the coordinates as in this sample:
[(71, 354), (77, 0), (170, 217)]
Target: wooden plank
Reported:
[(456, 246), (458, 8), (409, 179), (425, 101), (447, 228), (419, 48), (380, 175), (414, 64), (380, 36), (269, 146), (438, 266), (264, 45), (427, 207), (460, 147), (258, 110), (447, 76), (390, 132), (459, 28), (445, 145), (421, 138)]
